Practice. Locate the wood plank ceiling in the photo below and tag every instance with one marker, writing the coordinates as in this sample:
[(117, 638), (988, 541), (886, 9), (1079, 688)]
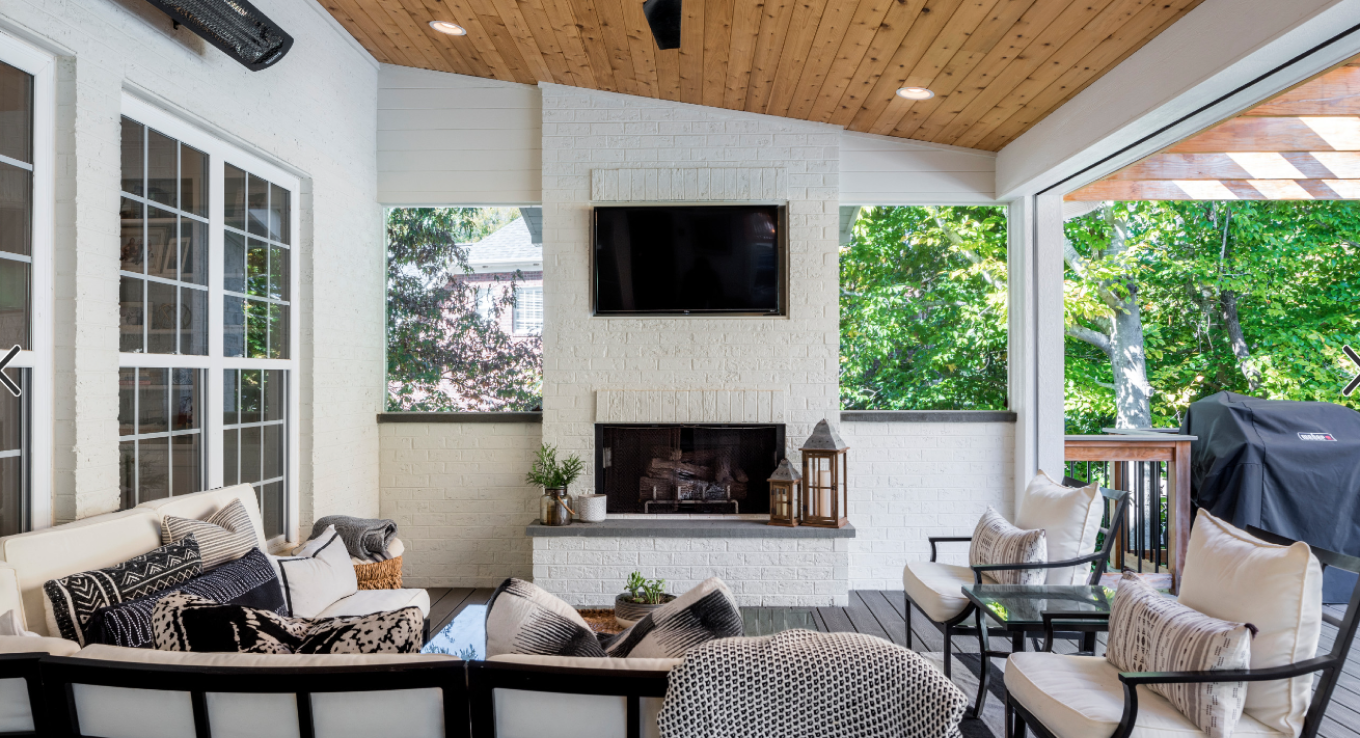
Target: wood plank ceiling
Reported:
[(997, 66), (1302, 145)]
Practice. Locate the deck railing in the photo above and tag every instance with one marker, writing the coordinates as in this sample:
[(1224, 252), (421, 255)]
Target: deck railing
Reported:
[(1154, 467)]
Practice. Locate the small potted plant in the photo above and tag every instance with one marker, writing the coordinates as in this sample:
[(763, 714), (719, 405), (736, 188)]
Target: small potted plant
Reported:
[(642, 596), (554, 477)]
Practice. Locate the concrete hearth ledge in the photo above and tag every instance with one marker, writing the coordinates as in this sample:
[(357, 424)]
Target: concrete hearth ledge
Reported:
[(635, 528)]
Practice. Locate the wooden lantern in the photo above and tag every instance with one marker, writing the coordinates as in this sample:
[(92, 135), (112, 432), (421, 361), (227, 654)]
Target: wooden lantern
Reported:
[(784, 495), (825, 474)]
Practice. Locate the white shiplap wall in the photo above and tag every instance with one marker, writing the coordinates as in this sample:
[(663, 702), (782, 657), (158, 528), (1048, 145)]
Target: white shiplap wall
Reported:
[(447, 139), (450, 139), (881, 170)]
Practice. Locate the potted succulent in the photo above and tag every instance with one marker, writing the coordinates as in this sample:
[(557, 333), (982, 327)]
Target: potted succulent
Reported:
[(554, 477), (642, 597)]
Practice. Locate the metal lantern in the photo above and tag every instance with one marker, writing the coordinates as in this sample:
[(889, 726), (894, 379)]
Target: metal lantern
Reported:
[(825, 474), (784, 495)]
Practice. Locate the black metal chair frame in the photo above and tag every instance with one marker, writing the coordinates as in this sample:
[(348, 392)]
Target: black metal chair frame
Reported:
[(485, 677), (59, 674), (26, 666), (1018, 718), (951, 628)]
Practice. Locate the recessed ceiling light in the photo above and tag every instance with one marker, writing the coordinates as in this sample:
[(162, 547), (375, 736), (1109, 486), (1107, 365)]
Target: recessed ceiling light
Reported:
[(915, 93), (453, 29)]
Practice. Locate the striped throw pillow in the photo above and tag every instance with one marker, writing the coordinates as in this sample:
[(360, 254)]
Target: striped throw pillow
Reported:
[(996, 541), (226, 536), (1149, 632)]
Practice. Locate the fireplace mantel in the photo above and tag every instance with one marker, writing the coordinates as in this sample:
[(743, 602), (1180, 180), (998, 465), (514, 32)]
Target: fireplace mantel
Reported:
[(690, 528)]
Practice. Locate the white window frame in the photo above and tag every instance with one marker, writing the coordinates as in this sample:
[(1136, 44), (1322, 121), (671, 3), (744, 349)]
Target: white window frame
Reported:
[(216, 363), (521, 293), (39, 359)]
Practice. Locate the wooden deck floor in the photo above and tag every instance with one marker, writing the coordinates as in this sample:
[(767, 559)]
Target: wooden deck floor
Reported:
[(881, 614)]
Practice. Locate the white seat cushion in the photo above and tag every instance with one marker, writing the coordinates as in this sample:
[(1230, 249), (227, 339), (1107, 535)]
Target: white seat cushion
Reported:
[(369, 601), (1233, 576), (588, 662), (937, 588), (1070, 518), (1081, 697)]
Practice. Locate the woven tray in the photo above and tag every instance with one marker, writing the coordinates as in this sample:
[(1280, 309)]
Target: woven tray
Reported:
[(379, 574)]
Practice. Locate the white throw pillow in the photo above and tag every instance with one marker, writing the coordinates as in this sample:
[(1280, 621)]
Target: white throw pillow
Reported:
[(1234, 576), (1070, 518), (317, 575), (1149, 632), (996, 541)]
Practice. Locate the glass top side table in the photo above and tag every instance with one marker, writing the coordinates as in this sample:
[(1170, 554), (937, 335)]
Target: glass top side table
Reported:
[(1024, 609)]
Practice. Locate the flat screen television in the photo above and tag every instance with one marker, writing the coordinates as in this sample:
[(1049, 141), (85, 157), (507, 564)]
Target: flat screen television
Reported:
[(689, 260)]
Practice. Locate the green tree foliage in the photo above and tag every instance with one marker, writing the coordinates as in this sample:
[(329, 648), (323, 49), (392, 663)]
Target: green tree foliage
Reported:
[(1252, 297), (923, 310), (441, 353)]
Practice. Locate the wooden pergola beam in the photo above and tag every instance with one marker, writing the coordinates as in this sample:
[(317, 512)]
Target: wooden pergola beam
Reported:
[(1215, 189)]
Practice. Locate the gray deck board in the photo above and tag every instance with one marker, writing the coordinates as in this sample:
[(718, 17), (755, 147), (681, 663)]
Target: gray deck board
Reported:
[(880, 613)]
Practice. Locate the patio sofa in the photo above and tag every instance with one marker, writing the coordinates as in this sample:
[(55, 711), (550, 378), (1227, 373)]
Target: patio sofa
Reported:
[(52, 686)]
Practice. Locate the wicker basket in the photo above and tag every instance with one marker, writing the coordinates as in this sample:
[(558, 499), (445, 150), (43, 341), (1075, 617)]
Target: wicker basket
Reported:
[(379, 574)]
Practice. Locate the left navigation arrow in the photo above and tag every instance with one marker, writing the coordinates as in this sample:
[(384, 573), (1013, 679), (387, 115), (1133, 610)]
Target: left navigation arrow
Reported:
[(4, 379)]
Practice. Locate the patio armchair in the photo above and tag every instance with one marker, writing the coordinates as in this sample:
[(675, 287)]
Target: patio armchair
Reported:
[(935, 588), (1066, 696)]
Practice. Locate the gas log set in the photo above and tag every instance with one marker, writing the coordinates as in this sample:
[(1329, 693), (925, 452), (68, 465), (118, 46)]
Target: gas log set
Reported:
[(687, 469)]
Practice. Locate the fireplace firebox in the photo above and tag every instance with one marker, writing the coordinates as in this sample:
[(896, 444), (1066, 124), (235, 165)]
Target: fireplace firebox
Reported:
[(687, 468)]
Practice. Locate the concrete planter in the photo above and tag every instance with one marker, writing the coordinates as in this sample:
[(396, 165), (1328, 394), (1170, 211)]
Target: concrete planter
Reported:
[(627, 613), (590, 508)]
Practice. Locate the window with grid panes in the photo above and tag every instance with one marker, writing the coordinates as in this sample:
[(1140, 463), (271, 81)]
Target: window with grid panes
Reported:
[(163, 286), (254, 433), (222, 401), (529, 311), (17, 172), (256, 266)]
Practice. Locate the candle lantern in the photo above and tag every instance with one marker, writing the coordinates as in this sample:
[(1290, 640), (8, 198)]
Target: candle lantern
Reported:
[(825, 475), (784, 495)]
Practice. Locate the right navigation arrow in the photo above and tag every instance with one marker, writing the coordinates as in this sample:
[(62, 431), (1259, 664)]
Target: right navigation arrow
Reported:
[(1354, 382)]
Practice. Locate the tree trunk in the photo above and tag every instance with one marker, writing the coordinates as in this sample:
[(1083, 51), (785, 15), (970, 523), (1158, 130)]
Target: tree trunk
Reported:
[(1228, 301), (1132, 392)]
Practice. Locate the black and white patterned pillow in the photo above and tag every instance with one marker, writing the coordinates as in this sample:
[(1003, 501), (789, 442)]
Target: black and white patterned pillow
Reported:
[(226, 536), (705, 613), (184, 622), (72, 601), (395, 631), (996, 541), (523, 618), (249, 581)]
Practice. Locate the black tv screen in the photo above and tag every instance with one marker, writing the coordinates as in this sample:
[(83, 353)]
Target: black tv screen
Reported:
[(689, 260)]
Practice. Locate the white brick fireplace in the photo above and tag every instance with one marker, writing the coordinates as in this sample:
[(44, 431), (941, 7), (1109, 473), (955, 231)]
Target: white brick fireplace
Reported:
[(603, 147)]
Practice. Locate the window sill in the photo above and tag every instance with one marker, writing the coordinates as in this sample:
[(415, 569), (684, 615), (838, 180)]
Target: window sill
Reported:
[(462, 417), (927, 416)]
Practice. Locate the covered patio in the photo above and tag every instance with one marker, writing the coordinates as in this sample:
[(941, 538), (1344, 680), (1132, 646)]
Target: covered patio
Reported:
[(517, 367)]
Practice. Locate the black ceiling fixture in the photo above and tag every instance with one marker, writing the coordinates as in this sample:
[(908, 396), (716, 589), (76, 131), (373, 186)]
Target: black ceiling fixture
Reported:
[(664, 18), (234, 26)]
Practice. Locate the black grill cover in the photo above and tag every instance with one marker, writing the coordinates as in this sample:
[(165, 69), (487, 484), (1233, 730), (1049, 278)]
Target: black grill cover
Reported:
[(1292, 468)]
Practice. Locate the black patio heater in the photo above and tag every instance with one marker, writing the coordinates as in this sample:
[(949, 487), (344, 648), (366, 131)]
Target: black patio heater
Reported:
[(235, 27), (1292, 468)]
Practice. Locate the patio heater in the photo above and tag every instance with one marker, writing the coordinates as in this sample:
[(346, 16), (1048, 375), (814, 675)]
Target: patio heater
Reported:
[(235, 27), (825, 477)]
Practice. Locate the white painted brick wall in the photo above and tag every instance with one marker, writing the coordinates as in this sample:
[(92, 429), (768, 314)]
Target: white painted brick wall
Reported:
[(772, 571), (314, 112), (911, 481), (586, 132), (457, 493)]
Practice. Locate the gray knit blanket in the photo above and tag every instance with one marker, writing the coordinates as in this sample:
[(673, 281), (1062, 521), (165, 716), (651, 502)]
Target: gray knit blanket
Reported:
[(366, 539), (801, 684)]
